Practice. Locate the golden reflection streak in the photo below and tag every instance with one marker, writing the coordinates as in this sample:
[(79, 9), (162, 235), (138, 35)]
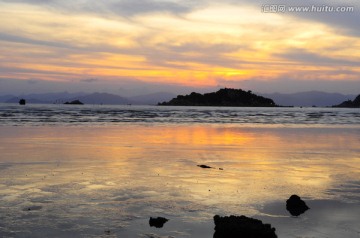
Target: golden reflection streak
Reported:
[(259, 164)]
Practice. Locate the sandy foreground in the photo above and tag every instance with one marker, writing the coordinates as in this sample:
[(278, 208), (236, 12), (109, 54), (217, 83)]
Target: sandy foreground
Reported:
[(108, 181)]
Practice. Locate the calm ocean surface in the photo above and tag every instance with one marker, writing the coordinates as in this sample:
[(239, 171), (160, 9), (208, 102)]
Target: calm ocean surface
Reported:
[(38, 115)]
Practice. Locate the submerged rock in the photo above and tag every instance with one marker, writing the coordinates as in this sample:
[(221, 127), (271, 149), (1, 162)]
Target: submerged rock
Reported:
[(157, 222), (296, 206), (204, 166), (32, 208), (242, 227)]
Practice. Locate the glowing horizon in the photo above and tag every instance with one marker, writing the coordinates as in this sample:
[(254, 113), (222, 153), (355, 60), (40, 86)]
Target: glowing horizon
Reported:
[(174, 42)]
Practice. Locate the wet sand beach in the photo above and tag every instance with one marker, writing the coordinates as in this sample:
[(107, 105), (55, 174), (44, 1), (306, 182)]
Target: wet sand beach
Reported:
[(107, 181)]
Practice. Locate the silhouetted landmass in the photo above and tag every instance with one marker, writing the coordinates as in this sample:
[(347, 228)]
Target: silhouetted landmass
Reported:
[(75, 102), (296, 206), (242, 226), (157, 222), (313, 98), (22, 101), (350, 104), (224, 97)]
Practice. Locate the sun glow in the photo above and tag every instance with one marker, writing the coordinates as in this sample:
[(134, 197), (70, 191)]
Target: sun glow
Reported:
[(199, 47)]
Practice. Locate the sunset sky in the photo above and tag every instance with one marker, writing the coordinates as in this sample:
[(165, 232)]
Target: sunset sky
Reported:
[(144, 46)]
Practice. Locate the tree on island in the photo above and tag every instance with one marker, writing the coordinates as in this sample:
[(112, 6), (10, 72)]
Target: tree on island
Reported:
[(226, 97)]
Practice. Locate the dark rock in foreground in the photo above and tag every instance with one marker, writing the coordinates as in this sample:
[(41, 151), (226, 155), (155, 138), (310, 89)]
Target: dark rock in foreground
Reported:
[(242, 227), (204, 166), (157, 222), (226, 97), (32, 208), (75, 102), (350, 104), (296, 206)]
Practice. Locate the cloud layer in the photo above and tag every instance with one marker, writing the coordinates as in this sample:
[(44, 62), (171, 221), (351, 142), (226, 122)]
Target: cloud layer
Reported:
[(202, 44)]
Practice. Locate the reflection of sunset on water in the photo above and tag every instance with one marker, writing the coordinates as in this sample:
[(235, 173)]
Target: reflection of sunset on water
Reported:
[(253, 159), (142, 169)]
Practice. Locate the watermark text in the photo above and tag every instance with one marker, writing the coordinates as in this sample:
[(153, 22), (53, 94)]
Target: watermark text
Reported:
[(278, 8)]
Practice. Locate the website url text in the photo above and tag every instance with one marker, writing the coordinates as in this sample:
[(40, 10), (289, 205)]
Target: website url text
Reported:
[(276, 8)]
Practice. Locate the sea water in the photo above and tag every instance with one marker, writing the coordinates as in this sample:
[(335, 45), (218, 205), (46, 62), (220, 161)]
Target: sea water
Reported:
[(58, 114), (103, 171)]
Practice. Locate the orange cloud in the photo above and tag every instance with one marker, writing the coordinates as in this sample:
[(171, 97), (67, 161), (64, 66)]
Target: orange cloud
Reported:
[(195, 48)]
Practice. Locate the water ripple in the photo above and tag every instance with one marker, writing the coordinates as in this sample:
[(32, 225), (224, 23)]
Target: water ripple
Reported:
[(39, 115)]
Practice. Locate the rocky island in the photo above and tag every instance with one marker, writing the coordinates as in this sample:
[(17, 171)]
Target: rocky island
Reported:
[(75, 102), (350, 104), (22, 101), (226, 97)]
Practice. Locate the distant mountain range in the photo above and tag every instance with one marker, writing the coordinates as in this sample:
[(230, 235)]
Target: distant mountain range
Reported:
[(93, 98), (152, 99), (306, 99), (102, 98)]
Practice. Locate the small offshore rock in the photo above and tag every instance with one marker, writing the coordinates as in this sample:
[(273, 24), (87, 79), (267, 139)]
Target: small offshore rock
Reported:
[(242, 226), (157, 222), (22, 101), (204, 166), (296, 206)]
